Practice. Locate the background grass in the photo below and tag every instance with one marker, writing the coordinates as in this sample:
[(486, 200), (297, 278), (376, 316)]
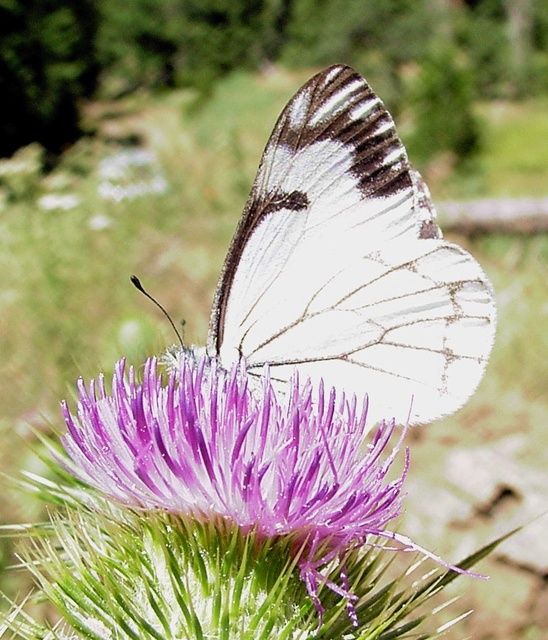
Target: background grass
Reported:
[(68, 309)]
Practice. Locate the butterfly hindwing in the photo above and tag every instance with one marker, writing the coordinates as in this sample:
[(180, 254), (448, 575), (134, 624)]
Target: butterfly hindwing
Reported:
[(338, 267)]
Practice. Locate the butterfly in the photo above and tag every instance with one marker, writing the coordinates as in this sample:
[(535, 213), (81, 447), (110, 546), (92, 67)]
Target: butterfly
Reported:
[(338, 268)]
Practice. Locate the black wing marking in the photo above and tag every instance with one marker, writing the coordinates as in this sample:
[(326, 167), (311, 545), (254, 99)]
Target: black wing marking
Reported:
[(337, 105)]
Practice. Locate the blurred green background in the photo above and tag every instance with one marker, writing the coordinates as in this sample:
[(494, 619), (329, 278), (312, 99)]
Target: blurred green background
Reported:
[(130, 136)]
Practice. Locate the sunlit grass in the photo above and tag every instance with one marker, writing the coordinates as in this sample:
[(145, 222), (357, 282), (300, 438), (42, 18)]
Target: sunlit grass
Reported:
[(515, 160)]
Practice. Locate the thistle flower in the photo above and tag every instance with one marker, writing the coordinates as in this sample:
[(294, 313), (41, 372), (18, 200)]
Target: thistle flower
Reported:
[(204, 442)]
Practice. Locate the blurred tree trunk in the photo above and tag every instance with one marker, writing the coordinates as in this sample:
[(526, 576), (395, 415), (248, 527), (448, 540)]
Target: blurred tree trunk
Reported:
[(520, 33), (442, 10), (495, 215)]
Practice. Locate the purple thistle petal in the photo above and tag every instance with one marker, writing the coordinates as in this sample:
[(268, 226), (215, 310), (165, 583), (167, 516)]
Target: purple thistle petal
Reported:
[(207, 443)]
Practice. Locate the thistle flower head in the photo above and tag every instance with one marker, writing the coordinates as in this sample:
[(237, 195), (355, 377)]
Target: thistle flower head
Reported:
[(204, 442)]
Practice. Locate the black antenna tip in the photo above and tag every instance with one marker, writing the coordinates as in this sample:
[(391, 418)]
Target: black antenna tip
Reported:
[(137, 283)]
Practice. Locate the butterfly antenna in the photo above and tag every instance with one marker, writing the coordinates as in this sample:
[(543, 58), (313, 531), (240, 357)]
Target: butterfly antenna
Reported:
[(137, 284)]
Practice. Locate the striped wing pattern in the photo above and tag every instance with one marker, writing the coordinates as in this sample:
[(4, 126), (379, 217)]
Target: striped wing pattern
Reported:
[(338, 267)]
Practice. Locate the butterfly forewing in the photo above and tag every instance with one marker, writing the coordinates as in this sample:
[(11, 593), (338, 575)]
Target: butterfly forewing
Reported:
[(338, 267)]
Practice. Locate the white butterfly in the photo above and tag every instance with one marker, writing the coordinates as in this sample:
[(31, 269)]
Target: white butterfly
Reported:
[(338, 268)]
